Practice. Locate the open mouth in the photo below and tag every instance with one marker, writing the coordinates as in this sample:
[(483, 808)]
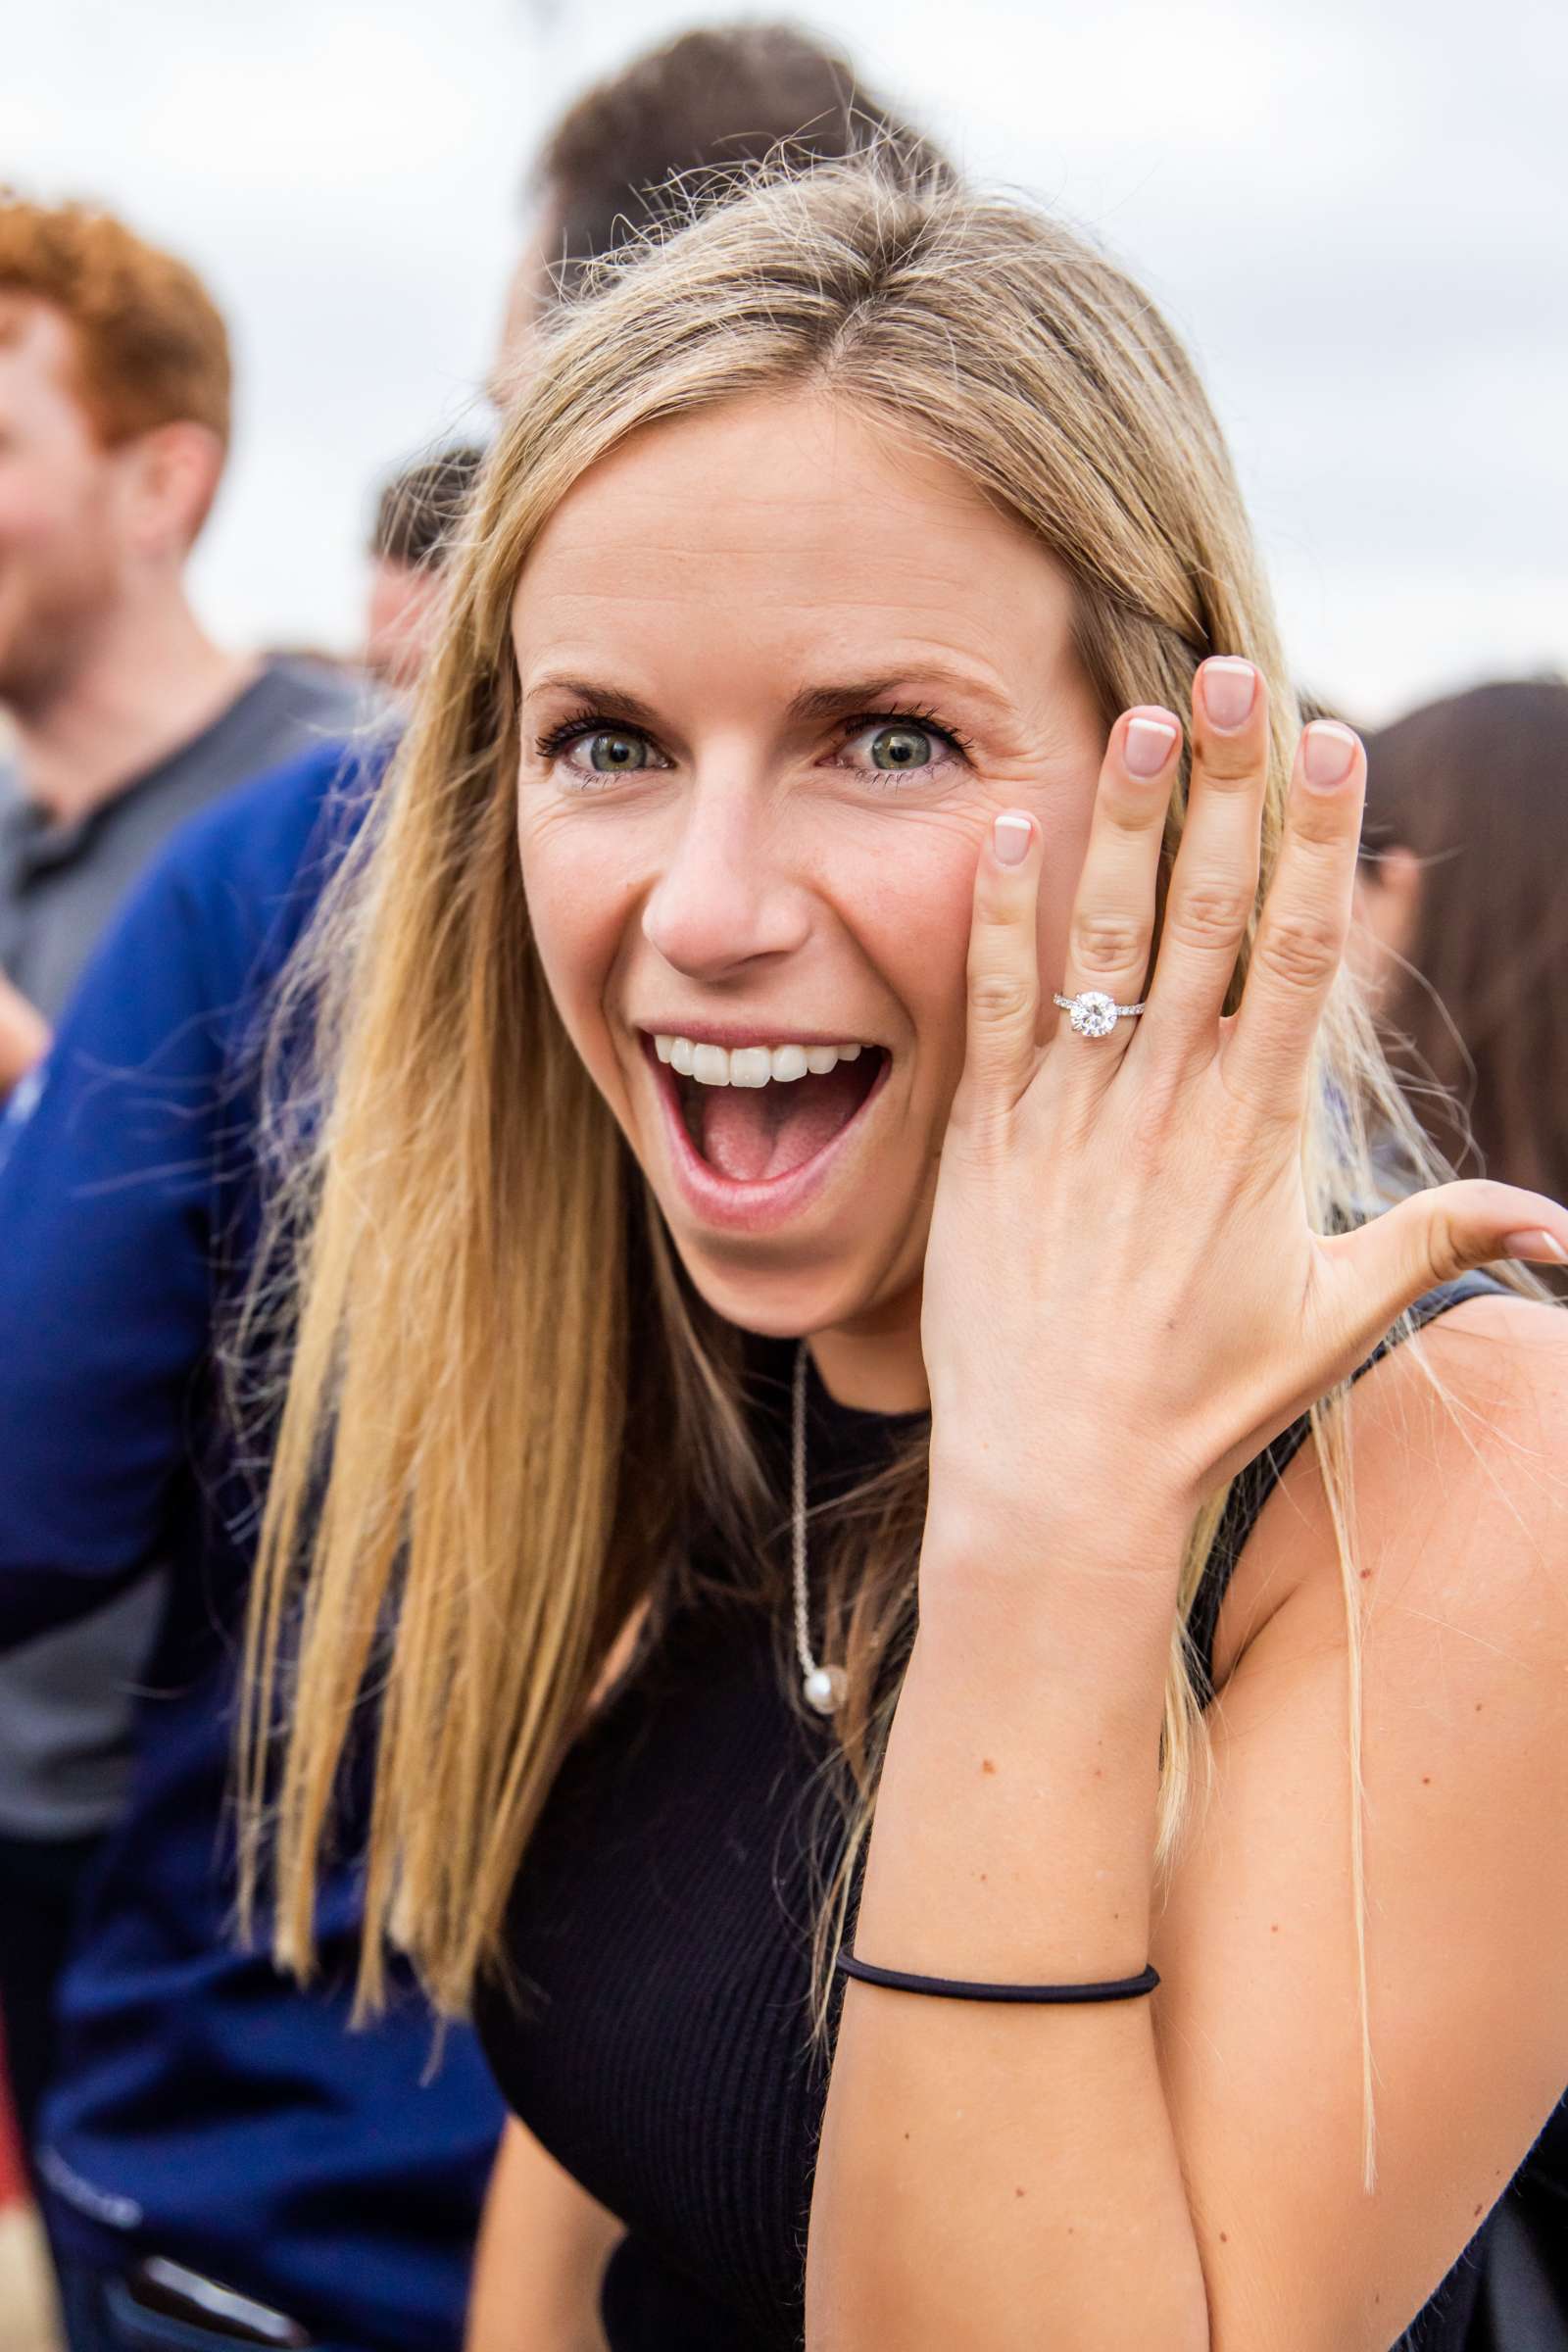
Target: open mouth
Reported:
[(756, 1113)]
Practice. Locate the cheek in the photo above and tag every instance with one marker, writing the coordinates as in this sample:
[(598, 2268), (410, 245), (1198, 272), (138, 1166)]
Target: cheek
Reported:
[(905, 899), (26, 518), (1066, 842), (578, 915), (912, 914)]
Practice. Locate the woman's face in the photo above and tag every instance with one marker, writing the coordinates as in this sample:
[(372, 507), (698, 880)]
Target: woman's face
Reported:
[(778, 671)]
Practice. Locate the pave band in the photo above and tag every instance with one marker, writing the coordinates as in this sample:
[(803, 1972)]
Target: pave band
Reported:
[(1093, 1013)]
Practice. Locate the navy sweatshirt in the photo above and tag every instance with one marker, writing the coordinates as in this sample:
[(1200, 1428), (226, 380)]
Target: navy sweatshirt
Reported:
[(204, 2107)]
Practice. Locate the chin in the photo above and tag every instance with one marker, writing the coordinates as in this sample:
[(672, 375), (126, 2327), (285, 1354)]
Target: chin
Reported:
[(782, 1292), (782, 1303)]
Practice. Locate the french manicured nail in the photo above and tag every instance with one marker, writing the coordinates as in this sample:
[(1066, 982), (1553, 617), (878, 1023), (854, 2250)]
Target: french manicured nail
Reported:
[(1011, 837), (1537, 1244), (1327, 752), (1148, 745), (1230, 689)]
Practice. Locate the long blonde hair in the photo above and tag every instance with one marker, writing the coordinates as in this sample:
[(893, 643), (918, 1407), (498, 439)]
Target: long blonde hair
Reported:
[(509, 1413)]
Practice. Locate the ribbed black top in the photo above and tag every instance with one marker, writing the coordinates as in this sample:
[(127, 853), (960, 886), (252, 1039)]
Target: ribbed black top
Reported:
[(661, 1922)]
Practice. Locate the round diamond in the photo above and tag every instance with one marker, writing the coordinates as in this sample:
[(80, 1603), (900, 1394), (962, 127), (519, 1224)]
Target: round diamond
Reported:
[(1093, 1015)]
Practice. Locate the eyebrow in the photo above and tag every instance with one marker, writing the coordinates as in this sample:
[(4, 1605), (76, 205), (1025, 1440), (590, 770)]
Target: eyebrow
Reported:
[(810, 703)]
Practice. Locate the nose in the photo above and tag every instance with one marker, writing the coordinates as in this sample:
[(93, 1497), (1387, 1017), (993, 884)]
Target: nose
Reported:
[(724, 899)]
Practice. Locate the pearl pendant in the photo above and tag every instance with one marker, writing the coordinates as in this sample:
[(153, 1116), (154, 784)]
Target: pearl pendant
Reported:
[(825, 1687)]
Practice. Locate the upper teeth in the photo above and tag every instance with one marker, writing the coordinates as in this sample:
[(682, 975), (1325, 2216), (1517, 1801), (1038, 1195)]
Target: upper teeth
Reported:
[(748, 1065)]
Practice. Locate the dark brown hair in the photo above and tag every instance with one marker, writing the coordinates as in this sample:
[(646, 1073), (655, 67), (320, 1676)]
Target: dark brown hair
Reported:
[(707, 101), (1476, 786), (151, 345), (420, 507)]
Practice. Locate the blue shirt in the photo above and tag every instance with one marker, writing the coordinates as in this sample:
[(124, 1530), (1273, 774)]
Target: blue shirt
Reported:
[(204, 2106)]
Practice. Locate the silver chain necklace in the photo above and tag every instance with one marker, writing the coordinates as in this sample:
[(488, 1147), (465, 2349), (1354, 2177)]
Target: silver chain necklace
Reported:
[(824, 1686)]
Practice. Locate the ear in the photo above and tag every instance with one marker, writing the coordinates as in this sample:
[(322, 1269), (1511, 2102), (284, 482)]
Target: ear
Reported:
[(175, 478)]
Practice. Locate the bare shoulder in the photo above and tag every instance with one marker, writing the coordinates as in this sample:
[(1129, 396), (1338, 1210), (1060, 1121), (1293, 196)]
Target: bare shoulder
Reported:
[(1458, 1460), (1447, 1748)]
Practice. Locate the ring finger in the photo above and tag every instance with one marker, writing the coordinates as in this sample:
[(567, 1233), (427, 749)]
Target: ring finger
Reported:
[(1112, 926)]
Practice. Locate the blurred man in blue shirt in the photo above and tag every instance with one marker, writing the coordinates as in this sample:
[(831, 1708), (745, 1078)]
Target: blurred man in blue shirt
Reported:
[(123, 718)]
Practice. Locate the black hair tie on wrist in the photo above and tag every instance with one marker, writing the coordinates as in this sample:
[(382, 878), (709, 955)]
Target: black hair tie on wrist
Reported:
[(952, 1988)]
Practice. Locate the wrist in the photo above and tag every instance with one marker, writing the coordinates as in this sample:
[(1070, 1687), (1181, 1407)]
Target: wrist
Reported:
[(1056, 1489), (1097, 1678), (1042, 1566)]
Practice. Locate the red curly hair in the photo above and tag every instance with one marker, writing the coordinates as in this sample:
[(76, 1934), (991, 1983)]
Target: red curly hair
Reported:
[(151, 345)]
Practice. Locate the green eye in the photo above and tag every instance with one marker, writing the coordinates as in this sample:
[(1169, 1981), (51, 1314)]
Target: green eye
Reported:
[(614, 754), (901, 747)]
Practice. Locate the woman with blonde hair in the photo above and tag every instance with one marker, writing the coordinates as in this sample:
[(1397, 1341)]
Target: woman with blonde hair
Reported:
[(981, 1791)]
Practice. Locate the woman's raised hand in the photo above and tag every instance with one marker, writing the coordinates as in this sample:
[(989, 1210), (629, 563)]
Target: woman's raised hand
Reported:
[(1124, 1297)]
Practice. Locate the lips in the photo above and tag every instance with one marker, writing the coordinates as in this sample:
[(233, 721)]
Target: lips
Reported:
[(750, 1157)]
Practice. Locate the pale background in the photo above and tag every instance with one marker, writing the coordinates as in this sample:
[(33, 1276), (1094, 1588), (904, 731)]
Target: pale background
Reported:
[(1354, 212)]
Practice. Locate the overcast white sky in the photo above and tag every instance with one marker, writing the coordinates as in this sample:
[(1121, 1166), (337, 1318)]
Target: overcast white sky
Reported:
[(1355, 211)]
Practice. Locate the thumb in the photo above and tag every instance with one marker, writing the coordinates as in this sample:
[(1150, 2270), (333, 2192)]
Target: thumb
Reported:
[(1004, 967), (1443, 1232)]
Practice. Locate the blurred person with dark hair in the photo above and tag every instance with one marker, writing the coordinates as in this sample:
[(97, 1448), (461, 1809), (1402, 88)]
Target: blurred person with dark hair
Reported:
[(1464, 938), (415, 517), (204, 2109), (1461, 943), (699, 107), (124, 719)]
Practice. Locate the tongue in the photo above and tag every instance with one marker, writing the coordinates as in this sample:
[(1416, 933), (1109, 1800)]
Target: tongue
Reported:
[(751, 1132)]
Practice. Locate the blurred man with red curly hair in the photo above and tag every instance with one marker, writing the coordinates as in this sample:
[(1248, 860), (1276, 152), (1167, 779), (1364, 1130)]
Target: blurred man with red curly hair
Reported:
[(114, 408), (122, 717)]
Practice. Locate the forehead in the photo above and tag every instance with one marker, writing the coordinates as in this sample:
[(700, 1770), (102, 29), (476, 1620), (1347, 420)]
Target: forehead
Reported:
[(790, 527), (37, 350)]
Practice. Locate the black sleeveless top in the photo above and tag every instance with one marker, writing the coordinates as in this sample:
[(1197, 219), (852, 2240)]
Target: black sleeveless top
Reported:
[(660, 1933)]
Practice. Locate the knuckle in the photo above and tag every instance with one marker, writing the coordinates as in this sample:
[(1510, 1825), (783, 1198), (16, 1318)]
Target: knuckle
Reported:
[(998, 999), (1445, 1252), (1301, 950), (1228, 759), (1210, 912), (1108, 943), (1133, 812)]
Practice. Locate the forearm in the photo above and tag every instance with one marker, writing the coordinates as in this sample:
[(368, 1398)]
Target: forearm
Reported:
[(1006, 2174)]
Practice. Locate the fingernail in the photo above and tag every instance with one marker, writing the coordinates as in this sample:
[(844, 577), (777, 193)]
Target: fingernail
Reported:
[(1535, 1244), (1229, 691), (1148, 745), (1011, 837), (1327, 752)]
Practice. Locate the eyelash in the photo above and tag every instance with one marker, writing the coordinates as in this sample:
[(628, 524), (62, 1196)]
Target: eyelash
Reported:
[(586, 722)]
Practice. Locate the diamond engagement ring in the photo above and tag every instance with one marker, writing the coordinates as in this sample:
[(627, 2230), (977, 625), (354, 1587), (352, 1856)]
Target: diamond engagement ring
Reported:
[(1093, 1013)]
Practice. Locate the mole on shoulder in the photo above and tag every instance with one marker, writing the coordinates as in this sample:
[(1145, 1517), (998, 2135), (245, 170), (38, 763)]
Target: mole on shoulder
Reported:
[(985, 1764)]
